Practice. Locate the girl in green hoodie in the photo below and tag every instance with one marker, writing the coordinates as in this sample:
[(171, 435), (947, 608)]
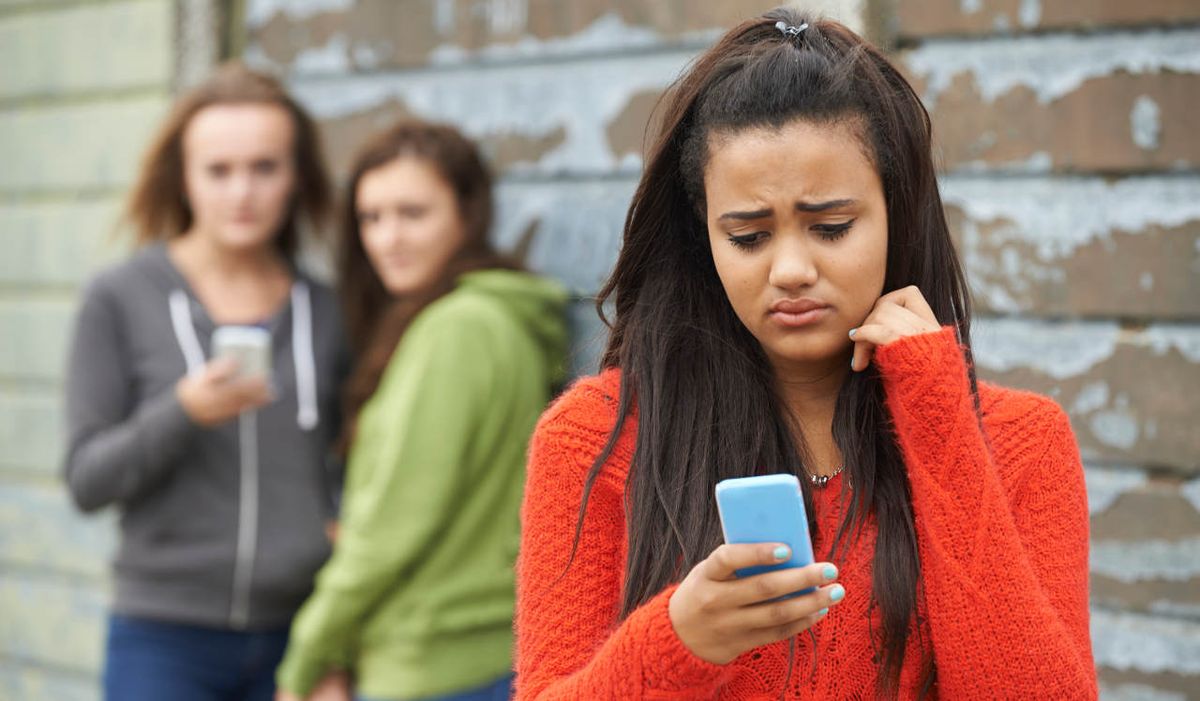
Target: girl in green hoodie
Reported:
[(458, 353)]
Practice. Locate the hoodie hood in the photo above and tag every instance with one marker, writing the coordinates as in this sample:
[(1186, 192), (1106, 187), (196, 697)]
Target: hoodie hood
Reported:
[(538, 303)]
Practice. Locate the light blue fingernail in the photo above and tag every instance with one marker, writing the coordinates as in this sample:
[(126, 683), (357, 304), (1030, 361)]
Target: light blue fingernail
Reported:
[(830, 572), (822, 612), (852, 332), (837, 593), (781, 553)]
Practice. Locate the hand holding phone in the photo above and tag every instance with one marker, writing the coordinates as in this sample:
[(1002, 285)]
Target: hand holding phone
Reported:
[(235, 381), (248, 346), (748, 594)]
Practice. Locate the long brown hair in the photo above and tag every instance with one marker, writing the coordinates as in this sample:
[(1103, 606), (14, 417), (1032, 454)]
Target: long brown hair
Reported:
[(158, 208), (708, 406), (376, 319)]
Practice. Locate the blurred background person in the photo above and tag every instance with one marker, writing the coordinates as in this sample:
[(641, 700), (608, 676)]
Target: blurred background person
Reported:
[(458, 352), (219, 475)]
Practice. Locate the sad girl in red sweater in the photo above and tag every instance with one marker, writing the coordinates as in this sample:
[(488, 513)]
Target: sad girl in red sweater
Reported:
[(788, 299)]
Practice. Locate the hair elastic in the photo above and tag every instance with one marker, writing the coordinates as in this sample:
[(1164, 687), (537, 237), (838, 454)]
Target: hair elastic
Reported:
[(789, 30)]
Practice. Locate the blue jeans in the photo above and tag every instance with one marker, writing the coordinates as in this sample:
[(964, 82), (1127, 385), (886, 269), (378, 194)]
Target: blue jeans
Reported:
[(153, 661), (499, 690)]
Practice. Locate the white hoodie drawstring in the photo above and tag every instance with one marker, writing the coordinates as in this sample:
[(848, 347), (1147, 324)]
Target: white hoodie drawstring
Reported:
[(303, 358), (185, 332)]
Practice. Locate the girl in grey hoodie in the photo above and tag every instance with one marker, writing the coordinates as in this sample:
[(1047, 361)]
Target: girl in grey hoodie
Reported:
[(220, 476)]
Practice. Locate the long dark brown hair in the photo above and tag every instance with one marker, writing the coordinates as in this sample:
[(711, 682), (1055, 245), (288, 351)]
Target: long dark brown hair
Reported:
[(158, 208), (376, 319), (708, 407)]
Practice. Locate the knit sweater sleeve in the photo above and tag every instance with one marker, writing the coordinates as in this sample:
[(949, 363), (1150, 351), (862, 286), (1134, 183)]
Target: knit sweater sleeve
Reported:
[(1003, 545), (570, 644)]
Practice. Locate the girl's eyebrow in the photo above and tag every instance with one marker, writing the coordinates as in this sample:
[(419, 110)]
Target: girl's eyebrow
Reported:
[(801, 206), (822, 206), (744, 216)]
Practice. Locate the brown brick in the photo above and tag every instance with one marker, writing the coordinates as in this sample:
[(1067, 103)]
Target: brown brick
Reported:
[(1093, 128), (632, 131), (1132, 395), (1079, 246), (386, 33), (934, 17)]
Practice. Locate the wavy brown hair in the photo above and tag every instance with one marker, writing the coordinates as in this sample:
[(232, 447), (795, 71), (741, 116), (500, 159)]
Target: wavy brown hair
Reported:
[(375, 319), (708, 407), (158, 208)]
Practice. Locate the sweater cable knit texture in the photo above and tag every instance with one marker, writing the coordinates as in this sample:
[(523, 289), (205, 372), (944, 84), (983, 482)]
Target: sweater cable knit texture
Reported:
[(1002, 529)]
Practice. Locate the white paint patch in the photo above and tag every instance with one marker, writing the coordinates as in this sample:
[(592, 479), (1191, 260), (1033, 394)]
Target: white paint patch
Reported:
[(1069, 349), (581, 98), (1052, 66), (333, 57), (1145, 122), (1106, 485), (1138, 692), (1126, 641), (1164, 337), (1093, 396), (1057, 216), (1115, 428), (1191, 492), (1145, 560), (1175, 609), (444, 19), (1058, 350), (1146, 281), (1030, 13), (970, 7), (259, 12)]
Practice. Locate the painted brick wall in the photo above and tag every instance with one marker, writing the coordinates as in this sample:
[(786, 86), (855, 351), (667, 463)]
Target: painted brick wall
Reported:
[(82, 85), (1066, 134), (1070, 173)]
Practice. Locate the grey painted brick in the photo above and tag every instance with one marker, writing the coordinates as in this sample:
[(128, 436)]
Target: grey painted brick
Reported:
[(35, 336), (40, 528), (57, 242), (1123, 641), (51, 619), (105, 46), (69, 147), (31, 430), (576, 227), (30, 682)]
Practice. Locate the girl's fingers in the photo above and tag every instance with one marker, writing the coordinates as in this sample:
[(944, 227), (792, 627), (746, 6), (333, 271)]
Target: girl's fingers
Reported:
[(772, 614), (726, 559), (911, 298), (771, 585)]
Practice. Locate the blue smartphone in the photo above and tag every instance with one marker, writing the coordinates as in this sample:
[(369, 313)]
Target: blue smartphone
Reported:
[(766, 509)]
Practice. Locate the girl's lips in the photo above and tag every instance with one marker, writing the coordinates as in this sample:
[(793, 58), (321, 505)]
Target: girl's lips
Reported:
[(797, 319)]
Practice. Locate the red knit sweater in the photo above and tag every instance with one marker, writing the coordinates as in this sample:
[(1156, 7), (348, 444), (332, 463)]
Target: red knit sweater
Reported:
[(1002, 530)]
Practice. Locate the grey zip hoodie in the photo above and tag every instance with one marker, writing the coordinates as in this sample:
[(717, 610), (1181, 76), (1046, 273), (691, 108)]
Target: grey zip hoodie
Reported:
[(220, 527)]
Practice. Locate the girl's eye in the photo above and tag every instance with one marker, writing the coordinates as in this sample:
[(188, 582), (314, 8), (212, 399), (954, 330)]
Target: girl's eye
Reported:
[(265, 167), (748, 240), (218, 170), (367, 217), (413, 211), (833, 232)]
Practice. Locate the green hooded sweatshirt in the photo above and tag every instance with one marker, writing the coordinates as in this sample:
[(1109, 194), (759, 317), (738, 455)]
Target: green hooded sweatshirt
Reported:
[(417, 599)]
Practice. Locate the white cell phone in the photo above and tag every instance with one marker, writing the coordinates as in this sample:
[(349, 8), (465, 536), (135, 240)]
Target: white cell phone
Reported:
[(250, 346)]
